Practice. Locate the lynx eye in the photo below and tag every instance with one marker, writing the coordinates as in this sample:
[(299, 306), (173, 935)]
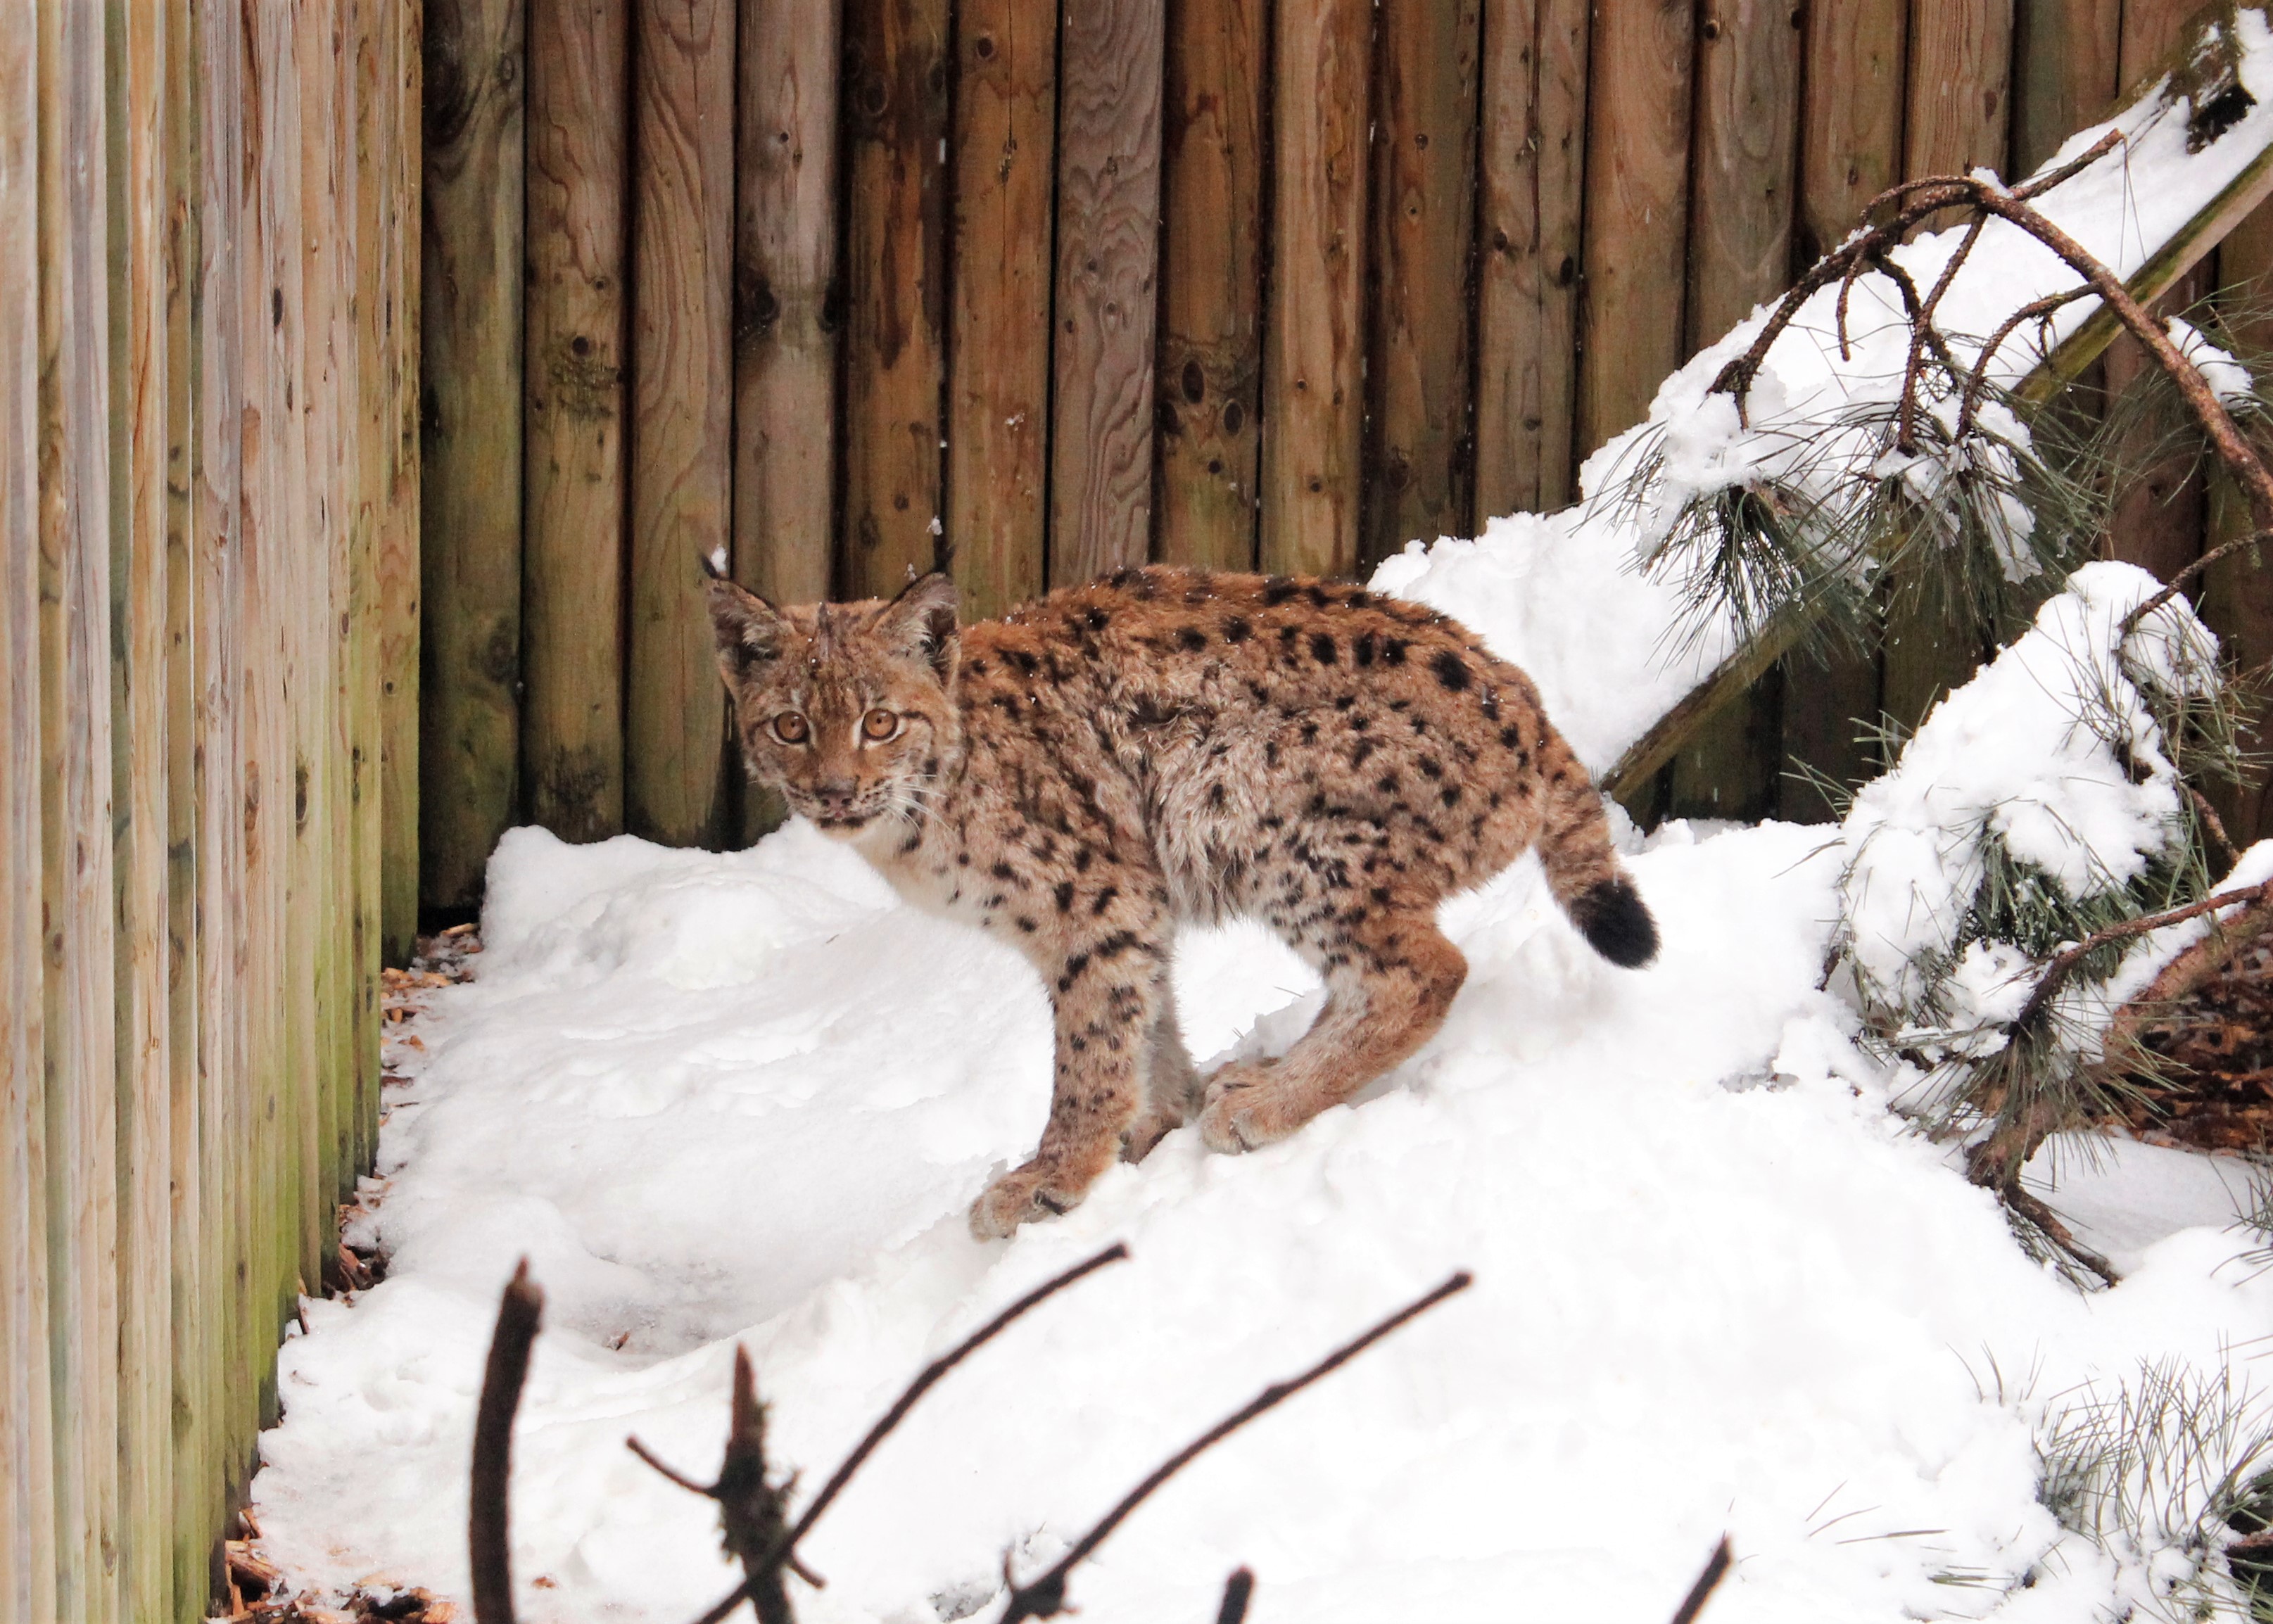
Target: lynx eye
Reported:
[(791, 728), (879, 725)]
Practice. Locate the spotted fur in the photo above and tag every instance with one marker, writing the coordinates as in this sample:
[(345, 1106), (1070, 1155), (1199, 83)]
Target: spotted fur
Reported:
[(1168, 745)]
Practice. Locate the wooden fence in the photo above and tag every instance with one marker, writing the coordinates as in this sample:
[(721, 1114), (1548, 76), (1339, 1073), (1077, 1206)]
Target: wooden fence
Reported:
[(207, 545), (1242, 282)]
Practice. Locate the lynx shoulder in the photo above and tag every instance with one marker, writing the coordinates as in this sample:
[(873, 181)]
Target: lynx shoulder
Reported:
[(1163, 746)]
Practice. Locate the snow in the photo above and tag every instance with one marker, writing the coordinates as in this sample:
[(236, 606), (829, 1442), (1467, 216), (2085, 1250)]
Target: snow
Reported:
[(748, 1096), (1722, 1285)]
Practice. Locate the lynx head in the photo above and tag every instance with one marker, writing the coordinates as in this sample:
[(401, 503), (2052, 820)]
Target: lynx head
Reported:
[(848, 707)]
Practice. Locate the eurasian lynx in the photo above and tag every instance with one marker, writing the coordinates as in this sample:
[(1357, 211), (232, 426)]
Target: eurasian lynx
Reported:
[(1167, 745)]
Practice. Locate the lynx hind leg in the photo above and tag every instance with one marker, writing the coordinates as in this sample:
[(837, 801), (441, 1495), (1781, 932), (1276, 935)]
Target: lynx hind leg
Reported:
[(1389, 985), (1172, 1083), (1106, 996)]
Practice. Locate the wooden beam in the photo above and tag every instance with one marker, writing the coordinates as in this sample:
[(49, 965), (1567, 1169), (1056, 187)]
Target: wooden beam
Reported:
[(399, 576), (1314, 332), (1213, 157), (470, 388), (1533, 159), (1004, 158), (75, 787), (1638, 141), (681, 446), (896, 130), (1107, 271), (579, 124), (1419, 461), (27, 1488)]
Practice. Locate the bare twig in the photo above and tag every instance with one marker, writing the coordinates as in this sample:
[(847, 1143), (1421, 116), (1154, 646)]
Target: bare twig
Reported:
[(1237, 1591), (2064, 962), (1044, 1597), (924, 1380), (1979, 385), (1716, 1569), (518, 1314)]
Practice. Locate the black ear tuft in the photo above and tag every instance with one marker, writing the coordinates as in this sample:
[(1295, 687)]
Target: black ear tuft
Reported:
[(751, 633), (920, 623), (1616, 923)]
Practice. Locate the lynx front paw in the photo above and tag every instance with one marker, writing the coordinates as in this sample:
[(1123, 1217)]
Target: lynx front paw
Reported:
[(1020, 1197), (1245, 1110)]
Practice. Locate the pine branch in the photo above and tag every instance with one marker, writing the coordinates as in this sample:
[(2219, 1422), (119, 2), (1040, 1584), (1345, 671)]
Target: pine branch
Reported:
[(1716, 1569), (1044, 1597), (488, 1546)]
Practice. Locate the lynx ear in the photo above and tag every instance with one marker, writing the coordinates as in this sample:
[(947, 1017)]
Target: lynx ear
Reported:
[(750, 632), (920, 622)]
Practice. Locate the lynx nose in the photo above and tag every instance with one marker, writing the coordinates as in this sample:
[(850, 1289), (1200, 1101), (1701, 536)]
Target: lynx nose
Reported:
[(836, 798)]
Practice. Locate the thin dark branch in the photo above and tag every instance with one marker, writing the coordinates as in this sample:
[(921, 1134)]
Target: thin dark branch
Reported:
[(2177, 582), (2214, 827), (669, 1471), (2064, 962), (1044, 1597), (1979, 385), (486, 1531), (924, 1380), (2029, 190), (2036, 1212), (1716, 1569), (1237, 1591)]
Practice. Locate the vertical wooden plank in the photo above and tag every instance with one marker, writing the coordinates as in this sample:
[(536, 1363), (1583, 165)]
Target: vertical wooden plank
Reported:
[(400, 570), (1742, 208), (571, 736), (2237, 599), (371, 75), (1533, 159), (896, 130), (1956, 119), (785, 314), (470, 530), (1638, 127), (79, 1055), (190, 1323), (28, 1492), (681, 444), (1851, 148), (1215, 92), (138, 77), (1004, 162), (2160, 508), (1106, 306), (1419, 463), (224, 1010), (1314, 335), (2066, 72)]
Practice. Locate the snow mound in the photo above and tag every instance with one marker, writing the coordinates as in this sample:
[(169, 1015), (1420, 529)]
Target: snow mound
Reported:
[(1719, 1285)]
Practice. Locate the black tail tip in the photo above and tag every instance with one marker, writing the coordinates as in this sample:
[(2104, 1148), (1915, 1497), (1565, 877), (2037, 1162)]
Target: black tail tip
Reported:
[(1616, 923)]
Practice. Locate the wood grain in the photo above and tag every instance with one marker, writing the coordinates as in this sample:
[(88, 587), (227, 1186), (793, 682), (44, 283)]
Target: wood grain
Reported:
[(1105, 308), (894, 267), (1419, 460), (1637, 131), (1206, 455), (224, 1046), (1956, 120), (2236, 598), (2067, 73), (1741, 211), (1004, 162), (75, 785), (785, 292), (399, 574), (193, 1509), (1314, 336), (578, 127), (138, 81), (470, 418), (1851, 105), (1532, 176), (681, 443), (27, 1489)]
